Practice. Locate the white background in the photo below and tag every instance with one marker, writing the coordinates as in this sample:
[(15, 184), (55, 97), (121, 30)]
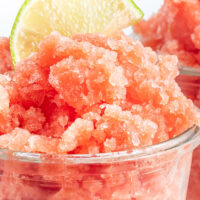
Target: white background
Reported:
[(9, 9)]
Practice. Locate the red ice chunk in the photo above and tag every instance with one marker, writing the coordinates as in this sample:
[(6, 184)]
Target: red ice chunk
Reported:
[(5, 57)]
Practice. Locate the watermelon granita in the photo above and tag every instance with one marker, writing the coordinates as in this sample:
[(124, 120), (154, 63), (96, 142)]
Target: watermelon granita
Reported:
[(5, 57), (95, 118), (189, 82), (175, 29)]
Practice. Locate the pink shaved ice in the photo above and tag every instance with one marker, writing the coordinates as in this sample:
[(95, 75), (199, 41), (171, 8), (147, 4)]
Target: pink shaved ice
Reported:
[(175, 30), (92, 94), (5, 57)]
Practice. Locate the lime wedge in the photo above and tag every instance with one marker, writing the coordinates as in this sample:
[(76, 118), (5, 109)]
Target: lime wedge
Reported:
[(38, 18)]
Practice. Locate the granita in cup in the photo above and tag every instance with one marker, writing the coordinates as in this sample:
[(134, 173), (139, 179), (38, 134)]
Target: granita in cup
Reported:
[(175, 29), (94, 118), (189, 81), (90, 116)]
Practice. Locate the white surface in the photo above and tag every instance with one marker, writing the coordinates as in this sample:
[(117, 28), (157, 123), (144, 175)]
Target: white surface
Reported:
[(149, 6), (9, 9)]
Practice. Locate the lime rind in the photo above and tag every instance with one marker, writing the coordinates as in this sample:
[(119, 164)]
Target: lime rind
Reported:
[(14, 30), (135, 10)]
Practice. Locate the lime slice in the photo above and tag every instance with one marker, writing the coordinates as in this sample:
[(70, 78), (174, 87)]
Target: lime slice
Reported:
[(38, 18)]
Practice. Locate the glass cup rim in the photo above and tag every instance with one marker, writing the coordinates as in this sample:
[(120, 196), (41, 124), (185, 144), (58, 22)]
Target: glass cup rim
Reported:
[(189, 71), (190, 135)]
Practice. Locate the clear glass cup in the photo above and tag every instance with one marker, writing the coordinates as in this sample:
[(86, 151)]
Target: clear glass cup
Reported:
[(158, 172), (189, 81)]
